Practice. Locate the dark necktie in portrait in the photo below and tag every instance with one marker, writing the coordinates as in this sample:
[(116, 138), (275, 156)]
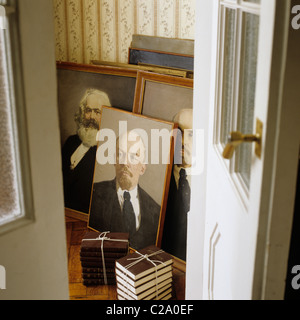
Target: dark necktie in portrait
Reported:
[(129, 213)]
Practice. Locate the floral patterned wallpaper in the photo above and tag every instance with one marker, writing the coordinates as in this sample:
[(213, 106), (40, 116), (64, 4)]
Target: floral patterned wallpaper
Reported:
[(102, 29)]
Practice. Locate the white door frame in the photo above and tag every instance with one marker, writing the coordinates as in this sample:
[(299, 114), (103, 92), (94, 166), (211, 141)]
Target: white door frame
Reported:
[(35, 255), (281, 167), (280, 171)]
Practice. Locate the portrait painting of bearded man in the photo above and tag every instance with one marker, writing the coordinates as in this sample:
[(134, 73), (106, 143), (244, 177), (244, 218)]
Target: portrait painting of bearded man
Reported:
[(82, 90), (79, 151)]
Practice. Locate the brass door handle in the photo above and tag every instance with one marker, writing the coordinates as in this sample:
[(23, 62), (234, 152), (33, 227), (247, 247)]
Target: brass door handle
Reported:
[(236, 138)]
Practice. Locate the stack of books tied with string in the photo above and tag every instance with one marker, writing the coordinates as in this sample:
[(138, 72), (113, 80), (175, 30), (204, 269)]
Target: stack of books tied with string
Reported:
[(145, 275), (98, 254)]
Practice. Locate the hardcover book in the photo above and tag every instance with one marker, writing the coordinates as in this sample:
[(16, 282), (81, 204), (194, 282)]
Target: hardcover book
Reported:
[(109, 260), (111, 275), (89, 264), (136, 267), (98, 248), (97, 282), (114, 242), (97, 270), (140, 264), (144, 279), (145, 275), (98, 254), (147, 294), (146, 285), (159, 295)]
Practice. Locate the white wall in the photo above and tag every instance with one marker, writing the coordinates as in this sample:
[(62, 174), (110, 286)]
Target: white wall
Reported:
[(35, 256)]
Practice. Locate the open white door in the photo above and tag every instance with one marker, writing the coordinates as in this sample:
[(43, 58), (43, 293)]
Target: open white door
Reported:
[(236, 213)]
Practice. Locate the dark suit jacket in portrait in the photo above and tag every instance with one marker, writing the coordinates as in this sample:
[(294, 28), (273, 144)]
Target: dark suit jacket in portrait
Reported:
[(175, 226), (78, 182), (106, 214)]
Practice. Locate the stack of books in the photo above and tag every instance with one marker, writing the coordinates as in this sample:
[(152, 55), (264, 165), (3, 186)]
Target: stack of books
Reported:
[(145, 275), (98, 254)]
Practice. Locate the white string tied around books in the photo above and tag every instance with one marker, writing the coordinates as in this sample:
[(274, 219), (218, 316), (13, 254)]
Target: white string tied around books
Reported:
[(146, 257), (102, 237)]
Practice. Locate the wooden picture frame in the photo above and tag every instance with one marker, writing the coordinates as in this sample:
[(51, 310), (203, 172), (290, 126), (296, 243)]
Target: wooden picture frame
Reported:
[(150, 68), (173, 45), (151, 179), (162, 96), (161, 58), (73, 81)]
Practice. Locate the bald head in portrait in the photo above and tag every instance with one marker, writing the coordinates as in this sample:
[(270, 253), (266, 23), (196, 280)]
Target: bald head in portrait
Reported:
[(121, 205)]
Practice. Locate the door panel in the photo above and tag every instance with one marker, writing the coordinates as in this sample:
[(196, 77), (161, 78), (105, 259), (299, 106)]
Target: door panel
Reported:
[(231, 201), (237, 49), (237, 204)]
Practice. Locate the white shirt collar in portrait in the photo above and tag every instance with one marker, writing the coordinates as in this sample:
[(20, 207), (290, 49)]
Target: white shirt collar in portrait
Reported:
[(135, 203), (78, 155)]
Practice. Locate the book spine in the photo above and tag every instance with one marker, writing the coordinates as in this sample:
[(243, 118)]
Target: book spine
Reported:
[(98, 249), (97, 259), (90, 282), (116, 254), (98, 276), (85, 264)]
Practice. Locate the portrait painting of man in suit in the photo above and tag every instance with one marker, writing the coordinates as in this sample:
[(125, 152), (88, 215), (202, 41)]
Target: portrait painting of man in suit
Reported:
[(81, 91), (122, 202), (79, 151), (178, 206)]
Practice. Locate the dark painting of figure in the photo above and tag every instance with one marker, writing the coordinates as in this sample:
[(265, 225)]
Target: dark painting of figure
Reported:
[(175, 228)]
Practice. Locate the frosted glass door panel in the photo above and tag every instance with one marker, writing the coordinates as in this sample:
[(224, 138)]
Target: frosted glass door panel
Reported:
[(253, 1), (228, 73), (247, 92), (9, 192), (236, 85)]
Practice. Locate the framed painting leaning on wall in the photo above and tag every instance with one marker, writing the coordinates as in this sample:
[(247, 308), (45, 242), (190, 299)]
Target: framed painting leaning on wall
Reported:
[(132, 173), (82, 91), (162, 96), (171, 98)]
